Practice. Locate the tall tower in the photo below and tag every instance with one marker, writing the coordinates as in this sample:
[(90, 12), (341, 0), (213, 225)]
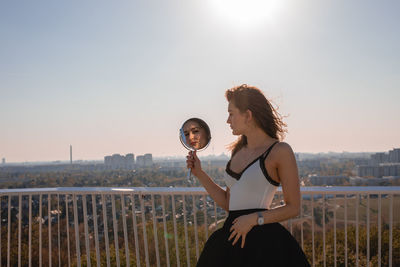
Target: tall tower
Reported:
[(70, 153)]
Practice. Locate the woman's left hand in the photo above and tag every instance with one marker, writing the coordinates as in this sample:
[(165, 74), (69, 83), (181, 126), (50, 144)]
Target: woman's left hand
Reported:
[(241, 226)]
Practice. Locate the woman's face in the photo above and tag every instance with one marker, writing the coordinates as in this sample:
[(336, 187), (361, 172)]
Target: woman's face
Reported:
[(236, 119), (195, 135)]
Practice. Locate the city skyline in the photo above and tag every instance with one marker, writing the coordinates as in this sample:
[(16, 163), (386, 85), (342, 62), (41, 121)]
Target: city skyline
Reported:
[(119, 77), (307, 155)]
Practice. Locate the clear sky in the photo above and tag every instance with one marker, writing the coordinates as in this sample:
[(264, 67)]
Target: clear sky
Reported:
[(121, 76)]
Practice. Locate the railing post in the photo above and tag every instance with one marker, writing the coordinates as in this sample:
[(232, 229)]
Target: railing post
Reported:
[(30, 232), (115, 224), (49, 225), (155, 230), (19, 227), (379, 230), (357, 249), (368, 228), (185, 230), (334, 230), (135, 230), (0, 231), (127, 258), (76, 227), (323, 229), (40, 229), (166, 235), (105, 224), (67, 223), (205, 215), (58, 230), (9, 231), (96, 229), (301, 222), (146, 246), (391, 231), (312, 229), (175, 231), (216, 215), (196, 238), (85, 225), (345, 230)]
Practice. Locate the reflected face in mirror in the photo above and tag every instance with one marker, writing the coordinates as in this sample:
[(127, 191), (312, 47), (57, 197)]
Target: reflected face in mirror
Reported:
[(197, 133)]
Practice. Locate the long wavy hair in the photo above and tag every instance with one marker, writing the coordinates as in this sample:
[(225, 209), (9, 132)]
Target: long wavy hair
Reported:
[(246, 97)]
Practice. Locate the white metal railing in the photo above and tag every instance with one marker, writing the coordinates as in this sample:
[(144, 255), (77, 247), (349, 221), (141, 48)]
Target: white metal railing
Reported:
[(144, 226)]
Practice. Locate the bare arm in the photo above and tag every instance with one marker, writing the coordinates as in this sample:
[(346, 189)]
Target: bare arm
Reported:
[(220, 196), (288, 173)]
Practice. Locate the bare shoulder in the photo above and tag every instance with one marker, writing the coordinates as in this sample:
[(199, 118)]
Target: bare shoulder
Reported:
[(282, 148), (283, 152)]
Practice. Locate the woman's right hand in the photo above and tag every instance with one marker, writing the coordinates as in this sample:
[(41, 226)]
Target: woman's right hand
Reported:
[(193, 163)]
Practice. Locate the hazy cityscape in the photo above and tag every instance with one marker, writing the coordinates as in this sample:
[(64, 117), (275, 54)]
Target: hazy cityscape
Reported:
[(329, 169)]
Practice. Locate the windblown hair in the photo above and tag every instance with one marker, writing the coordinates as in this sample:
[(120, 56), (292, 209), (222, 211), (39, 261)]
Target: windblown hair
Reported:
[(246, 97)]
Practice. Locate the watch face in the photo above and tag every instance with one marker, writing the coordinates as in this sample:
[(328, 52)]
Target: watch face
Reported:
[(260, 220)]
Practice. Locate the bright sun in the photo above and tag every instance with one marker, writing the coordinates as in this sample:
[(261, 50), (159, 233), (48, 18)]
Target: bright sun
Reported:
[(247, 12)]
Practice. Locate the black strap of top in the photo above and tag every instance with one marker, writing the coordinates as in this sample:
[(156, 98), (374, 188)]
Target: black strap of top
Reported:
[(266, 153), (262, 165)]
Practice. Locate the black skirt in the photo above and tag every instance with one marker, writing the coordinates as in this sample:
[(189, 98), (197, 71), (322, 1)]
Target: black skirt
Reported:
[(266, 245)]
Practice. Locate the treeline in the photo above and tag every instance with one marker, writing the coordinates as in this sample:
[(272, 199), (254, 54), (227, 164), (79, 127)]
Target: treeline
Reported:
[(62, 254), (352, 246), (326, 167)]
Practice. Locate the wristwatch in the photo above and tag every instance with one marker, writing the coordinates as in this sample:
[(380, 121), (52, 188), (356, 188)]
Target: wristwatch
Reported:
[(260, 219)]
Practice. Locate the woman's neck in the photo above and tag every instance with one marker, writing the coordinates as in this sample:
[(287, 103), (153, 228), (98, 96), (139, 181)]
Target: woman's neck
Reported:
[(257, 138)]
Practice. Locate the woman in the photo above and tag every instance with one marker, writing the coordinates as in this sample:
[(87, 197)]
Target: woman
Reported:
[(197, 133), (252, 235)]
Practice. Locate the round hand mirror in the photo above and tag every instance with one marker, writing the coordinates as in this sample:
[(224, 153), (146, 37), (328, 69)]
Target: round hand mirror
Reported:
[(195, 134)]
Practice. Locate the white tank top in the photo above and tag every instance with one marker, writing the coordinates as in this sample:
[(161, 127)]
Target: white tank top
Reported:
[(253, 187)]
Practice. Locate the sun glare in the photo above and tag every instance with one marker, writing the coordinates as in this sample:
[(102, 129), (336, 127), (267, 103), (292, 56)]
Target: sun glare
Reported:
[(247, 12)]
